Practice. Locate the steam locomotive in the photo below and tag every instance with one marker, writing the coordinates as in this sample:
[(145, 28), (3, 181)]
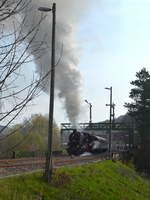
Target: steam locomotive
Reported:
[(81, 142)]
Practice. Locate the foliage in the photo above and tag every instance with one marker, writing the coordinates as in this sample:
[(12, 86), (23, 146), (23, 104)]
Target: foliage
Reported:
[(95, 181), (30, 136), (139, 109)]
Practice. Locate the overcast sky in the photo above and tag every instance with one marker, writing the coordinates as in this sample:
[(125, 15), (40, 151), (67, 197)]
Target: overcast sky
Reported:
[(113, 40)]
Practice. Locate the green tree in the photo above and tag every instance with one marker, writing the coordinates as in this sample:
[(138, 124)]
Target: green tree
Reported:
[(30, 136), (37, 130), (139, 109), (39, 126)]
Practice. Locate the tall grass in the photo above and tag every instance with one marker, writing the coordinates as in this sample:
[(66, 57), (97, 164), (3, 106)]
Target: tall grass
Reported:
[(95, 181)]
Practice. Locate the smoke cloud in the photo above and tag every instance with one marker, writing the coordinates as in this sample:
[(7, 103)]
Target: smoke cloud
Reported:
[(67, 76)]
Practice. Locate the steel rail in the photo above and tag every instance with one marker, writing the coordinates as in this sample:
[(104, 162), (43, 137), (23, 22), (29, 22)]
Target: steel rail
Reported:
[(21, 159), (56, 162)]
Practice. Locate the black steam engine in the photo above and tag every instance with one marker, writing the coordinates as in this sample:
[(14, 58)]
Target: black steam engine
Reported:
[(81, 142)]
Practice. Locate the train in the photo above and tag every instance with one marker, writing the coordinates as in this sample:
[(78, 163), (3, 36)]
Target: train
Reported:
[(81, 142)]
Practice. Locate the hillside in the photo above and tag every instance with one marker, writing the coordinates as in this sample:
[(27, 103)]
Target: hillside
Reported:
[(105, 180), (122, 119)]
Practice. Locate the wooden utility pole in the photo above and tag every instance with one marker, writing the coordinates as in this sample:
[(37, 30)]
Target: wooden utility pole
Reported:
[(49, 165)]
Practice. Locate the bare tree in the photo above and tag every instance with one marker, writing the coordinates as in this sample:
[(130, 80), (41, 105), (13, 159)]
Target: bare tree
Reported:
[(16, 91)]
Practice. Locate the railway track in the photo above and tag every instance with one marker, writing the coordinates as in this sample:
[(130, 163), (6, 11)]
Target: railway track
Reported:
[(17, 166)]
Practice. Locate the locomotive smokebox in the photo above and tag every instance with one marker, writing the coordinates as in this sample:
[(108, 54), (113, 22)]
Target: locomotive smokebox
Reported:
[(81, 142)]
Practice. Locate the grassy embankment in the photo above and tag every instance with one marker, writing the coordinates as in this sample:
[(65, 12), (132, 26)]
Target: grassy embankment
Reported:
[(95, 181)]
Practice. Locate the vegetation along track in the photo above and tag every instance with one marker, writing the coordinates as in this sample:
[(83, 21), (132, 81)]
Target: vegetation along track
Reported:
[(10, 167)]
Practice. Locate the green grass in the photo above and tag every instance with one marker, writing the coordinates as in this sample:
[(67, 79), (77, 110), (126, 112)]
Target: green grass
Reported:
[(95, 181)]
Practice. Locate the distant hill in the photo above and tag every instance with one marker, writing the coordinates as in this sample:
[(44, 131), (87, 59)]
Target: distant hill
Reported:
[(122, 119), (3, 131), (1, 127)]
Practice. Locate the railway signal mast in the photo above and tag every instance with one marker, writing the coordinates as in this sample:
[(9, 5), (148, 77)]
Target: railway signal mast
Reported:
[(113, 113), (111, 120), (90, 109)]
